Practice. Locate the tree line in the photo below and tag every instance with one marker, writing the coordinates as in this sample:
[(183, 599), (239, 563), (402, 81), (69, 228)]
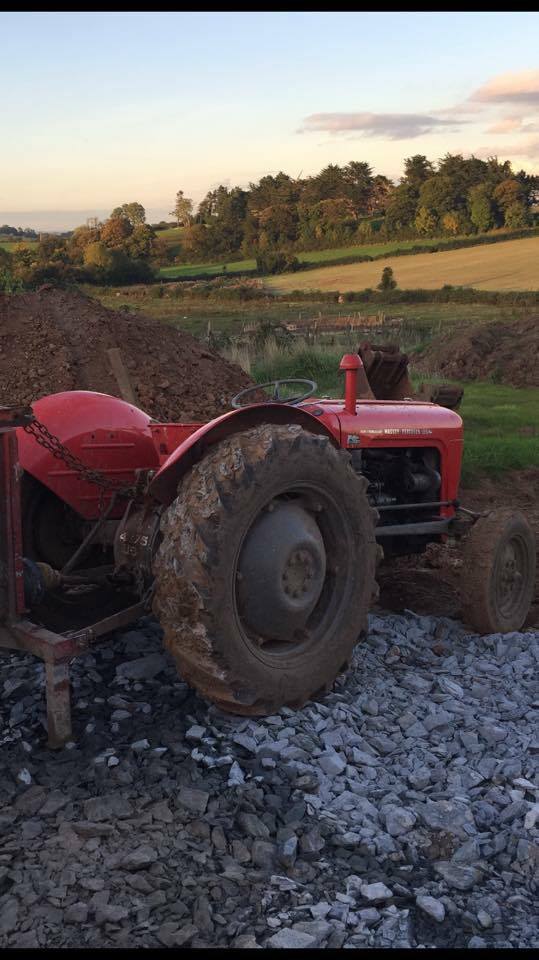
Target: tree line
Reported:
[(344, 205), (118, 250)]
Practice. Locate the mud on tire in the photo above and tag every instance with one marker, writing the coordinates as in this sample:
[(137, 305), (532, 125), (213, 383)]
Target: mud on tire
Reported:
[(498, 572), (222, 504)]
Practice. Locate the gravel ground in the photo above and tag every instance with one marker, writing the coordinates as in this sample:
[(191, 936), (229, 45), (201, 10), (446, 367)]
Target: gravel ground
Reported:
[(400, 810)]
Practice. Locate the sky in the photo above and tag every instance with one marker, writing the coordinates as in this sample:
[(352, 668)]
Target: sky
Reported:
[(99, 109)]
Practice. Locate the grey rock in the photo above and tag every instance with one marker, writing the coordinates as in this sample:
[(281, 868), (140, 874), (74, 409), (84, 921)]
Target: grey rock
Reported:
[(263, 854), (145, 668), (289, 939), (109, 913), (399, 821), (87, 829), (246, 942), (253, 826), (456, 875), (55, 801), (332, 763), (375, 892), (110, 807), (76, 913), (9, 914), (195, 800), (320, 930), (434, 908), (447, 815), (484, 919), (287, 851), (139, 859)]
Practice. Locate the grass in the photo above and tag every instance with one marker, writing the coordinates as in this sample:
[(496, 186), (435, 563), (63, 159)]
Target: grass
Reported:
[(308, 256), (508, 265), (500, 429), (10, 245), (422, 321)]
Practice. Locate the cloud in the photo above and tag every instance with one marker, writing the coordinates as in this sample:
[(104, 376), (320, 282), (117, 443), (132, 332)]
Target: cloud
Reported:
[(390, 126), (513, 125), (528, 149), (522, 87)]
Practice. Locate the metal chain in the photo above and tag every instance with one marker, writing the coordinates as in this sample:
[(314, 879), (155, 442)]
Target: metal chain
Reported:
[(54, 445)]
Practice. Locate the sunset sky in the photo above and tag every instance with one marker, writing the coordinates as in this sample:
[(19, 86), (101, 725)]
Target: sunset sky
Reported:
[(104, 108)]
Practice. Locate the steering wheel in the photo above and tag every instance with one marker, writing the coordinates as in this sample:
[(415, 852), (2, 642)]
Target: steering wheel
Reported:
[(276, 398)]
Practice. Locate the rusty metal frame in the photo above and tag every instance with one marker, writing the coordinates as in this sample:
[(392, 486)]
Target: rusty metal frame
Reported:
[(16, 631)]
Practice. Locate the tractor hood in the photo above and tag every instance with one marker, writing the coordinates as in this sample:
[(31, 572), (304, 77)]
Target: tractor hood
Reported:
[(390, 421)]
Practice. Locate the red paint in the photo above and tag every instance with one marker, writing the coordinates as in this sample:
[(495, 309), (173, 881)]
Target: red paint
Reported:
[(350, 363), (108, 434), (116, 438)]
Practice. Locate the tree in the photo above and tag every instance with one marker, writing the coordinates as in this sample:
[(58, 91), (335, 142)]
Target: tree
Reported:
[(401, 209), (98, 257), (381, 191), (516, 215), (79, 240), (508, 192), (438, 194), (481, 207), (357, 179), (183, 209), (133, 212), (116, 231), (140, 245), (388, 281), (417, 169), (456, 222), (426, 222)]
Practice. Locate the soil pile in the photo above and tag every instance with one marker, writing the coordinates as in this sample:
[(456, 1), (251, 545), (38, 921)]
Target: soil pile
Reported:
[(53, 340), (506, 352)]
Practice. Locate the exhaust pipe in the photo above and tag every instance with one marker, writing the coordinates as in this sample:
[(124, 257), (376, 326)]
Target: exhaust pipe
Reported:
[(351, 363)]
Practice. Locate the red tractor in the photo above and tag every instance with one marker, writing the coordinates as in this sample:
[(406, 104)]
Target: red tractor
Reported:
[(254, 538)]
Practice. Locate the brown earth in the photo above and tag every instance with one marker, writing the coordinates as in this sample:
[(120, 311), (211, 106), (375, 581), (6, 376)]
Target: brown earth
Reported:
[(506, 352), (429, 584), (53, 340)]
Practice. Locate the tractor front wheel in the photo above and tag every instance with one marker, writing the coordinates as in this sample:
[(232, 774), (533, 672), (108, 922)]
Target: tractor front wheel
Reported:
[(498, 573), (265, 572)]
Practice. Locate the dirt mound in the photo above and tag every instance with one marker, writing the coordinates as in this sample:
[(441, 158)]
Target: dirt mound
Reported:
[(54, 340), (505, 351)]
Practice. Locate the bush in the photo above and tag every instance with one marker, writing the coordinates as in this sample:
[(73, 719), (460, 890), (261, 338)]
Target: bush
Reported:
[(276, 261), (388, 281)]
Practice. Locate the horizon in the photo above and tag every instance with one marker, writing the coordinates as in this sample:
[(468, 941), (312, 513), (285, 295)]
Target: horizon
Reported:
[(136, 106)]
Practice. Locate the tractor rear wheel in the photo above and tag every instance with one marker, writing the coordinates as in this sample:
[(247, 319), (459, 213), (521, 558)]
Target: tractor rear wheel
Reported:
[(498, 573), (265, 572)]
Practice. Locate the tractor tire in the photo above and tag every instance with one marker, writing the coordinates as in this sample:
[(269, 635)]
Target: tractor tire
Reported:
[(265, 573), (498, 572)]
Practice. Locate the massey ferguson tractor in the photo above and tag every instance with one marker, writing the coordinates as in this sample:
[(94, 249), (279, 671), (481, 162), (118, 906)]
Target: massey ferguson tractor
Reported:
[(253, 538)]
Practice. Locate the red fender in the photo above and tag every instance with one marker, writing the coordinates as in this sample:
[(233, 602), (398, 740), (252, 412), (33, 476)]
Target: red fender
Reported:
[(164, 485), (106, 433)]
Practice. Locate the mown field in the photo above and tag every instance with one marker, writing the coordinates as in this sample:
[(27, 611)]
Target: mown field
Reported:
[(508, 265)]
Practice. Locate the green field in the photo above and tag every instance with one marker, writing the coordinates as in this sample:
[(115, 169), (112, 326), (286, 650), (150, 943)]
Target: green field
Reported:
[(187, 270), (422, 321), (11, 245)]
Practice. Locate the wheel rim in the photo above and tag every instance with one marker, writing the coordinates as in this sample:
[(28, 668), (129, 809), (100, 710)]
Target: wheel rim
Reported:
[(318, 572), (511, 570)]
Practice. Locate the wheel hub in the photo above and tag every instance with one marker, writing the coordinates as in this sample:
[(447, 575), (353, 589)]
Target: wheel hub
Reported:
[(281, 572)]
